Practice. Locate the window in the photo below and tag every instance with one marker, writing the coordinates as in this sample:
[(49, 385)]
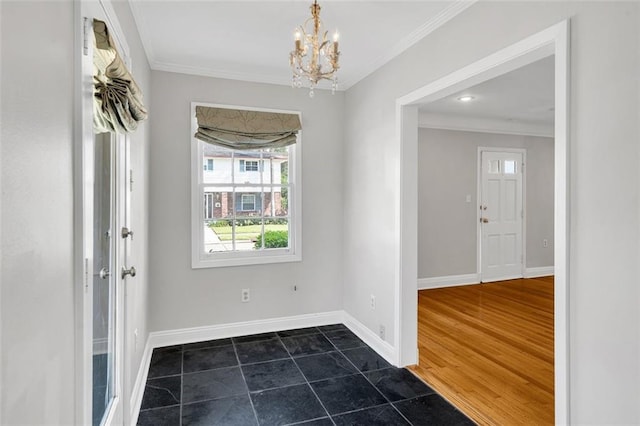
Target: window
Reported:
[(247, 202), (249, 166), (248, 211), (510, 167)]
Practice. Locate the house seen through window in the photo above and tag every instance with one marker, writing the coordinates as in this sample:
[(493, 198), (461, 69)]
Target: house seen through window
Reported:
[(245, 199)]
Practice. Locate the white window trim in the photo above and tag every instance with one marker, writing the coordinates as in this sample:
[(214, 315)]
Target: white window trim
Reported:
[(293, 253), (242, 209)]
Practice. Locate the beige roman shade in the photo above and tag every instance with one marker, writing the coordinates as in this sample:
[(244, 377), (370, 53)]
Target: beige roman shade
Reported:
[(117, 105), (240, 129)]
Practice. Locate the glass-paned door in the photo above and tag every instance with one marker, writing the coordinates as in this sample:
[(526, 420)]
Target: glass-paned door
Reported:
[(104, 278)]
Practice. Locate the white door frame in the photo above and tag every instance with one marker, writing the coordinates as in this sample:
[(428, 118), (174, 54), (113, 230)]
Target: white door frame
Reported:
[(523, 152), (554, 40), (83, 212)]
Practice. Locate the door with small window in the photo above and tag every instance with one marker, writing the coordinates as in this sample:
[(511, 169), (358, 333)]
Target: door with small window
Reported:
[(501, 215)]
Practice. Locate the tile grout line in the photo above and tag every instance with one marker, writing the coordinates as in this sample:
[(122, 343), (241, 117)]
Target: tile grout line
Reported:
[(369, 381), (244, 379), (277, 337), (307, 381)]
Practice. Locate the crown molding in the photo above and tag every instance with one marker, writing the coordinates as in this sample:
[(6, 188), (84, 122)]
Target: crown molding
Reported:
[(454, 9), (240, 76), (484, 125)]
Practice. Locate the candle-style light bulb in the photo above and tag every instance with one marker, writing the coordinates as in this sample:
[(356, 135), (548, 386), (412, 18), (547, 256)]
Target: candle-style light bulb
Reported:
[(297, 35), (336, 36)]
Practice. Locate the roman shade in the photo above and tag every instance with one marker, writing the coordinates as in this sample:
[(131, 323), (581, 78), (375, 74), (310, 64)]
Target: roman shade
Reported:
[(242, 130), (117, 99)]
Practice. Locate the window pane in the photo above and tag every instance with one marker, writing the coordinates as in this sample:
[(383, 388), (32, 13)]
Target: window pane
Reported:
[(248, 201), (247, 231), (276, 165), (218, 203), (276, 235), (216, 164), (494, 166), (510, 167), (276, 201), (246, 167)]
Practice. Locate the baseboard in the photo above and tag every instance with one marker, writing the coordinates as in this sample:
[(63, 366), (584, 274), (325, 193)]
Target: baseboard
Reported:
[(448, 281), (197, 334), (542, 271), (383, 348), (221, 331), (138, 387)]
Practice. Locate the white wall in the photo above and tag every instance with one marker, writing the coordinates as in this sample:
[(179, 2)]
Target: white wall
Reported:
[(181, 297), (137, 288), (447, 224), (603, 317), (37, 312), (37, 234)]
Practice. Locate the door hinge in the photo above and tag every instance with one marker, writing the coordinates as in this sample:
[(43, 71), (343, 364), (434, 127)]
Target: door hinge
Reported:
[(86, 275), (85, 36)]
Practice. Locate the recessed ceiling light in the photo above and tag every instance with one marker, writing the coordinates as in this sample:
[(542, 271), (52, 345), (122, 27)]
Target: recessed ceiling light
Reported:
[(466, 98)]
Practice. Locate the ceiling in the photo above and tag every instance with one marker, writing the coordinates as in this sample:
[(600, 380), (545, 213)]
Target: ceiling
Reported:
[(523, 95), (251, 40)]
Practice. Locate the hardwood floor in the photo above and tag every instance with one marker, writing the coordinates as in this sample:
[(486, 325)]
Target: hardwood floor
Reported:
[(488, 349)]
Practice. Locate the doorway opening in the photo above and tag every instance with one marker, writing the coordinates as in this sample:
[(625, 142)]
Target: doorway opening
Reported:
[(553, 41)]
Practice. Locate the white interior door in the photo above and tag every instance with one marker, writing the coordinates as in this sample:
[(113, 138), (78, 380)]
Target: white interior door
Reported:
[(104, 211), (501, 215)]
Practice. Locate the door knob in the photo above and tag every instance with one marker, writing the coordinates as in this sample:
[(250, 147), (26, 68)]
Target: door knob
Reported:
[(126, 232), (104, 273), (131, 271)]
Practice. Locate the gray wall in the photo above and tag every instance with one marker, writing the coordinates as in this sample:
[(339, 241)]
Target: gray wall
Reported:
[(37, 204), (37, 312), (447, 224), (603, 315), (181, 297)]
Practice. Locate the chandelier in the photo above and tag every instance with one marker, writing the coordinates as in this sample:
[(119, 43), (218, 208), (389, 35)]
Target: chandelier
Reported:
[(315, 57)]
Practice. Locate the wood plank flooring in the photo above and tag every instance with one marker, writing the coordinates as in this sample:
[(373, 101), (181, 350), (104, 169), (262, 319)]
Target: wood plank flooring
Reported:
[(488, 349)]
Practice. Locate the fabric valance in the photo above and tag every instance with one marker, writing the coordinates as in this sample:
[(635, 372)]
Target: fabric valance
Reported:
[(117, 105), (241, 129)]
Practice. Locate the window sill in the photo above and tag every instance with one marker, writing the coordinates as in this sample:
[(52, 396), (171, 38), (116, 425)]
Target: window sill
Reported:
[(236, 259)]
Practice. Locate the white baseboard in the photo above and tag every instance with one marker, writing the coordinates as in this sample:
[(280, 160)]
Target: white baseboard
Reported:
[(221, 331), (197, 334), (138, 387), (383, 348), (542, 271), (448, 281)]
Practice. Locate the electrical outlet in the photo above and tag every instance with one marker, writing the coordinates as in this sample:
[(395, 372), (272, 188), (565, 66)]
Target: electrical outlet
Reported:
[(383, 332), (373, 302), (545, 243), (245, 295)]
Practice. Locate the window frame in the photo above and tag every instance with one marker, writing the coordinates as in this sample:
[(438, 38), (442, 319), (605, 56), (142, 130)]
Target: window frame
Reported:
[(201, 259), (242, 202)]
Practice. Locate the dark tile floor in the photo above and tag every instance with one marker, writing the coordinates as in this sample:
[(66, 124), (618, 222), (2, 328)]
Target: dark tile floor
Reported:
[(310, 376)]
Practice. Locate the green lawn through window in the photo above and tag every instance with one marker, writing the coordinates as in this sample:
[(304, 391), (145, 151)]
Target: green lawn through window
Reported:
[(247, 232)]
